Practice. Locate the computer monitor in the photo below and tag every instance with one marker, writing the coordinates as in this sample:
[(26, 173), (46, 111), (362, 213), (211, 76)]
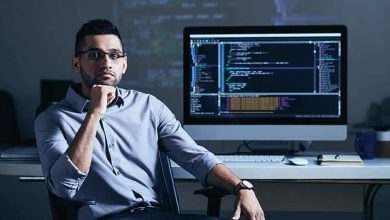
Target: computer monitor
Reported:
[(265, 82)]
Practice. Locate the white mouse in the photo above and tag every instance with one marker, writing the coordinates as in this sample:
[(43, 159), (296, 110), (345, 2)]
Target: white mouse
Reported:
[(298, 161)]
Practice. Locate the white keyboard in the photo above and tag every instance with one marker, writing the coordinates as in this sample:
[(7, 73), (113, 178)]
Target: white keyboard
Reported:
[(251, 158)]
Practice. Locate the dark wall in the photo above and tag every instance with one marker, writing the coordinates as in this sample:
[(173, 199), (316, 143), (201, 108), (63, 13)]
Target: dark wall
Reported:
[(37, 40)]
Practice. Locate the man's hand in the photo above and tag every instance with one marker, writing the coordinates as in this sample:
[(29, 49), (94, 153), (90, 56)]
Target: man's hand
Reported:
[(246, 202), (100, 97)]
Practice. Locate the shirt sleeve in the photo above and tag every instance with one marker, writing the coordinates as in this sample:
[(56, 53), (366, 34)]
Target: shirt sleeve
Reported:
[(181, 148), (63, 177)]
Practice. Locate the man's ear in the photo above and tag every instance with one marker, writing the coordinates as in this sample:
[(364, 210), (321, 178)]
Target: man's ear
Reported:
[(124, 65), (75, 64)]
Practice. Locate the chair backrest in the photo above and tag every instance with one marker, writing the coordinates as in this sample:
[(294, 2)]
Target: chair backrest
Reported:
[(53, 90), (170, 200), (9, 130)]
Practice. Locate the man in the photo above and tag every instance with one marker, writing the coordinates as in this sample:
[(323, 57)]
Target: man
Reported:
[(101, 141)]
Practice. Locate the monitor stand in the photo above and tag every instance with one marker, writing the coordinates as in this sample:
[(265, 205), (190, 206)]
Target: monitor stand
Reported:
[(277, 147)]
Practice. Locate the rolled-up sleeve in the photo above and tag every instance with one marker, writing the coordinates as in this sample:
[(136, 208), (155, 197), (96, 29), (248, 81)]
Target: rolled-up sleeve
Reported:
[(63, 177), (181, 148)]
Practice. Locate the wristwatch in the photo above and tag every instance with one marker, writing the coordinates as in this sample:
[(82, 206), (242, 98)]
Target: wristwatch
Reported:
[(244, 184)]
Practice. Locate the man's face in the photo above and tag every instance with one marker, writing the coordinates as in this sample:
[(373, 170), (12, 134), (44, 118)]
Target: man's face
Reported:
[(101, 61)]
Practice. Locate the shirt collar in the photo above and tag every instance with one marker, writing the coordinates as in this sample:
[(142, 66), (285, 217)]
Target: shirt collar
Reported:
[(82, 104)]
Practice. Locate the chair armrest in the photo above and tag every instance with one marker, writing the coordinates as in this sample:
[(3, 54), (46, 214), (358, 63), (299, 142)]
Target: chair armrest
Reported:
[(66, 208), (214, 196), (78, 203)]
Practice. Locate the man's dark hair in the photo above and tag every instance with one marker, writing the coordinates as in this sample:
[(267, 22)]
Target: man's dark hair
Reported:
[(95, 27)]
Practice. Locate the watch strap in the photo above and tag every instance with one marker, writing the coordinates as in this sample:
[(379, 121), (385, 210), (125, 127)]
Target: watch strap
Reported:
[(237, 188)]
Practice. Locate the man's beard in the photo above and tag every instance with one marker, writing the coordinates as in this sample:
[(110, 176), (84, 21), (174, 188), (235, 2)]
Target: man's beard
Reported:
[(89, 82)]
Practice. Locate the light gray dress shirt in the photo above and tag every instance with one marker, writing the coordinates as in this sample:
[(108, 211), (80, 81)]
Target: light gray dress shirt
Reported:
[(124, 165)]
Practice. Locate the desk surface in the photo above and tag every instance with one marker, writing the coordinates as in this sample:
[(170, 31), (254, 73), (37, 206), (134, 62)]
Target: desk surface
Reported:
[(20, 168), (376, 169)]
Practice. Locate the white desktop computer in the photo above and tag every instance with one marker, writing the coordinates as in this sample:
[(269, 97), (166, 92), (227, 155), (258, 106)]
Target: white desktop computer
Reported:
[(265, 82)]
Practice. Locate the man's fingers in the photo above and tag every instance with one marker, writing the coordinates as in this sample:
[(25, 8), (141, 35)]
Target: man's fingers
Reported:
[(100, 97), (237, 213)]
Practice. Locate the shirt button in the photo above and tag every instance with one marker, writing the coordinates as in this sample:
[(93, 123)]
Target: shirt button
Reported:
[(110, 146)]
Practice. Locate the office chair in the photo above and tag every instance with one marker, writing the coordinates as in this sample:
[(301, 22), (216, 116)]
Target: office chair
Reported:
[(53, 90), (9, 130), (66, 209)]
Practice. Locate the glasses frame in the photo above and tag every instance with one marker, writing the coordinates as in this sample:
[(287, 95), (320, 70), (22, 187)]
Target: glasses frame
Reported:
[(121, 54)]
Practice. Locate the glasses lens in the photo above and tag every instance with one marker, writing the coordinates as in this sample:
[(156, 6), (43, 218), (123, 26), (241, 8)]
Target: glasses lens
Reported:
[(114, 55), (94, 55)]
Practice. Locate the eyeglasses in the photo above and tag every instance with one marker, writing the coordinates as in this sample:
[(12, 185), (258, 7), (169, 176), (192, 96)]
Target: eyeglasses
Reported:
[(96, 55)]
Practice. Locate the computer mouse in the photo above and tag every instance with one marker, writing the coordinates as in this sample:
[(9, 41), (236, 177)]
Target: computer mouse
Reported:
[(297, 161)]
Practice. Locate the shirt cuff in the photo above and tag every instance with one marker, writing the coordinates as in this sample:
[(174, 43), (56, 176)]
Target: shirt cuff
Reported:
[(204, 170), (65, 178)]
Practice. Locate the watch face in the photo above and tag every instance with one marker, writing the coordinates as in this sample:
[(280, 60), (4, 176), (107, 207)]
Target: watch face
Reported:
[(247, 184), (244, 184)]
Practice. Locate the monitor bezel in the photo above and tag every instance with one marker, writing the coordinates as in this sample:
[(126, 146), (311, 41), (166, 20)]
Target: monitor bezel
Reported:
[(189, 120)]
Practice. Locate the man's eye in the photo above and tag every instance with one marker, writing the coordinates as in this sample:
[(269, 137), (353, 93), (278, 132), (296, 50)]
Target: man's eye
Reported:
[(114, 55), (93, 55)]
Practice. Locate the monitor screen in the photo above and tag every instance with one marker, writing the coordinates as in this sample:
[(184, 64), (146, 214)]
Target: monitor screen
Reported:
[(265, 82)]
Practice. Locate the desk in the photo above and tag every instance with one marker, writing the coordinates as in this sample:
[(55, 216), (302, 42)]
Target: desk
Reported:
[(374, 173)]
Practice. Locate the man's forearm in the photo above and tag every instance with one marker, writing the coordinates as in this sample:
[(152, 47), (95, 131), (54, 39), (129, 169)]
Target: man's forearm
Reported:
[(220, 176), (80, 151)]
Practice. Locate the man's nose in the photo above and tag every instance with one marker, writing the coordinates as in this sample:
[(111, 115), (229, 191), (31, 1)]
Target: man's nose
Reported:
[(106, 61)]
